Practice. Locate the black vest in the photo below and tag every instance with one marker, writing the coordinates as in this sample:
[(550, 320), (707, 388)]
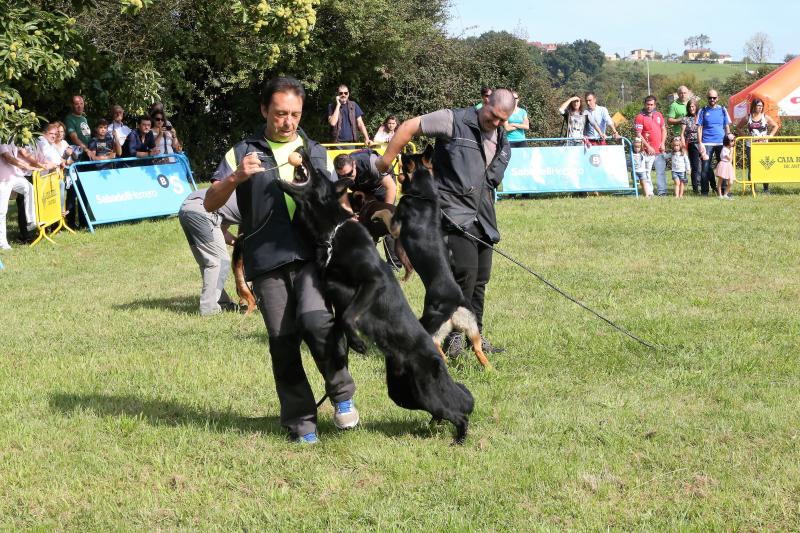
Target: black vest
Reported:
[(466, 184), (272, 239)]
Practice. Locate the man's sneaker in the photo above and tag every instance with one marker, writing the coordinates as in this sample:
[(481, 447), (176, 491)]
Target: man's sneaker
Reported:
[(453, 345), (308, 438), (345, 414), (488, 347)]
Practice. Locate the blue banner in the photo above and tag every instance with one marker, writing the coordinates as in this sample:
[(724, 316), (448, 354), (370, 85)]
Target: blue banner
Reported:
[(575, 168), (113, 192)]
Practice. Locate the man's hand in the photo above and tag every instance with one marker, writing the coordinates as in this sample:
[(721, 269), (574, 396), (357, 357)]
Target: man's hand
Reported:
[(249, 165)]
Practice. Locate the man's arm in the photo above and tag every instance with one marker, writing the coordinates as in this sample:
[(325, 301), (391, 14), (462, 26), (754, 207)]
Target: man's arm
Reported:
[(29, 159), (663, 136), (405, 131), (333, 118), (75, 141), (221, 190), (610, 122), (391, 188), (671, 115), (363, 129)]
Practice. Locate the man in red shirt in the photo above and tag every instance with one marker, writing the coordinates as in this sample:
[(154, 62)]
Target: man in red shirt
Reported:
[(652, 128)]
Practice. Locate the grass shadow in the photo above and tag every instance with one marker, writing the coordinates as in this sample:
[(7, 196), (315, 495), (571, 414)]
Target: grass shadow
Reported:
[(162, 413), (176, 304)]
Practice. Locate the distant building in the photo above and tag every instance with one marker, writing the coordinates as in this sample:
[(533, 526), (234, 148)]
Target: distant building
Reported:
[(544, 47), (724, 58), (612, 57), (640, 54), (697, 54)]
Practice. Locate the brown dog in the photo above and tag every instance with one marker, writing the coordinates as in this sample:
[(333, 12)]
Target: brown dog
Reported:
[(242, 288)]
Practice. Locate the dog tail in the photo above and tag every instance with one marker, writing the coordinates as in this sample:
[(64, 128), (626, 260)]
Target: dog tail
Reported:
[(404, 260), (242, 289)]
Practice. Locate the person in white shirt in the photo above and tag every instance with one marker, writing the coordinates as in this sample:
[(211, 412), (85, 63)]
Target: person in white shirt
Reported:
[(117, 126), (14, 162)]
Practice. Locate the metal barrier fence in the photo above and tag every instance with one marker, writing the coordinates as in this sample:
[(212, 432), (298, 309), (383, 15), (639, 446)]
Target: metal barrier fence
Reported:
[(766, 160), (565, 165)]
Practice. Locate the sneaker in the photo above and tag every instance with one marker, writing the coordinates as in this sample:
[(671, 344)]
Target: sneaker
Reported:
[(231, 307), (488, 347), (308, 438), (453, 345), (5, 246), (345, 414)]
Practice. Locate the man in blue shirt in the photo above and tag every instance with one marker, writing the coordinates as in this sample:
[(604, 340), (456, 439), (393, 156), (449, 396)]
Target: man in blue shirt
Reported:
[(713, 124), (141, 141), (344, 116), (601, 117)]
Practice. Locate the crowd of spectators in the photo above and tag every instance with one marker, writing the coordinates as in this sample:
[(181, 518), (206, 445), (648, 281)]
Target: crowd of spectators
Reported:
[(73, 140)]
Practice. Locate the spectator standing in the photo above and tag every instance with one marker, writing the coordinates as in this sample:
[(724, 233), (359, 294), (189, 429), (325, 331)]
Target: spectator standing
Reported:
[(486, 92), (680, 166), (650, 126), (47, 149), (279, 258), (694, 149), (14, 163), (63, 146), (78, 131), (207, 234), (165, 138), (713, 125), (757, 124), (601, 117), (517, 124), (386, 130), (140, 142), (724, 171), (642, 165), (117, 126), (677, 110), (466, 178), (577, 119), (346, 118)]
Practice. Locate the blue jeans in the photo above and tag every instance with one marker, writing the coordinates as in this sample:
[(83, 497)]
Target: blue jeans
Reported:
[(660, 164)]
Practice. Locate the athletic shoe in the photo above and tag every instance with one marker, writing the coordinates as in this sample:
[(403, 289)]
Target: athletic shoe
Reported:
[(453, 345), (5, 246), (488, 347), (308, 438), (231, 307), (345, 414)]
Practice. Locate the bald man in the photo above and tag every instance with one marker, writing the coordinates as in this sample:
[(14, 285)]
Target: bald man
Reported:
[(470, 157)]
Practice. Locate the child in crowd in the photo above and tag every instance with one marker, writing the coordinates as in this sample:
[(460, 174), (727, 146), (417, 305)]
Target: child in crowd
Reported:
[(724, 171), (642, 164), (103, 145), (680, 166)]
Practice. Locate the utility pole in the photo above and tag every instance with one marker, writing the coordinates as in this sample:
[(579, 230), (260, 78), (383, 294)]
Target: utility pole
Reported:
[(622, 87), (647, 60)]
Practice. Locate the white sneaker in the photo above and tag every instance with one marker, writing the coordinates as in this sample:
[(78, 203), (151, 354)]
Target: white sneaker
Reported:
[(345, 415), (5, 246)]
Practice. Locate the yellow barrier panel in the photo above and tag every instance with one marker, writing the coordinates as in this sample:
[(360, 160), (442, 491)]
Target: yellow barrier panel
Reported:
[(47, 195), (770, 160), (335, 149)]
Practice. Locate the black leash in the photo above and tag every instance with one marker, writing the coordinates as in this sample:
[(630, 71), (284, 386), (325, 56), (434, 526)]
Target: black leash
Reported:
[(550, 284)]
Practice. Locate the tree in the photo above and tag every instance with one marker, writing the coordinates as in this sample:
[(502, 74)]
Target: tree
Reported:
[(789, 57), (690, 42), (703, 40), (759, 47), (582, 55)]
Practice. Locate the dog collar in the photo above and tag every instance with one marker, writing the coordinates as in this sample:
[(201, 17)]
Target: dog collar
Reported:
[(329, 244)]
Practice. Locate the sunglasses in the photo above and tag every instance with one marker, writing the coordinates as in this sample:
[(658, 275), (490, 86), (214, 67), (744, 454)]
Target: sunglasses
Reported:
[(713, 97), (343, 93)]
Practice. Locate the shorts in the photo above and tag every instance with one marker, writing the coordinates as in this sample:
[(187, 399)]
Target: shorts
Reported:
[(644, 177), (680, 176)]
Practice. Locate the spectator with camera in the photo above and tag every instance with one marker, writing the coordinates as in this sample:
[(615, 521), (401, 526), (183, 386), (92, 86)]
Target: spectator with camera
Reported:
[(165, 139)]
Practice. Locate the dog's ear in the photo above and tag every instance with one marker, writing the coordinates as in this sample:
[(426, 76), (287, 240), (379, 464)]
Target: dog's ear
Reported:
[(427, 156), (342, 185)]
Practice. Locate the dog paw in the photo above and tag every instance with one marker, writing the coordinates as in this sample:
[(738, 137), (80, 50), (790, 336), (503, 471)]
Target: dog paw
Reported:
[(357, 345)]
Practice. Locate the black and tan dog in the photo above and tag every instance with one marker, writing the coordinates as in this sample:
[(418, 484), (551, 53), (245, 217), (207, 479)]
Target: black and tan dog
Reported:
[(246, 296), (367, 298), (418, 229)]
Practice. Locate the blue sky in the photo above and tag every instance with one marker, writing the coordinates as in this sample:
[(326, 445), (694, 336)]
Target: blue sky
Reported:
[(619, 26)]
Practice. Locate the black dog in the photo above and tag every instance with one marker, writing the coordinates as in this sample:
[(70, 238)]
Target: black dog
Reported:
[(366, 297), (417, 227)]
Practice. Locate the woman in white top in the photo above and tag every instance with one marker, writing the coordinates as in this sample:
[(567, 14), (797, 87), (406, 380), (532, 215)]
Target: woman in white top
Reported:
[(166, 139), (386, 131)]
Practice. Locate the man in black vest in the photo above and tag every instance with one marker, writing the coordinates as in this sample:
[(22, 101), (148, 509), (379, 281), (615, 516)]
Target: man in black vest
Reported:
[(469, 160), (279, 260), (344, 117)]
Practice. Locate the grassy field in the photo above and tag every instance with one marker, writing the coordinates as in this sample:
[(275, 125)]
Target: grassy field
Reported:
[(123, 409), (702, 71)]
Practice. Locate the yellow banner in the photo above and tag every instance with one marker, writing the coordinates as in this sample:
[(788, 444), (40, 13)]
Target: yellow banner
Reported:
[(775, 162), (47, 192)]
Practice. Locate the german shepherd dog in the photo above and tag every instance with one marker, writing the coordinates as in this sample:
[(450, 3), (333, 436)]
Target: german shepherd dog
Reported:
[(366, 297), (242, 289), (418, 229)]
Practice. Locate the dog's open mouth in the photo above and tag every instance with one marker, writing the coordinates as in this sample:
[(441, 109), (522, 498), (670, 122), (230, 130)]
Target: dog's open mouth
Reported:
[(300, 176)]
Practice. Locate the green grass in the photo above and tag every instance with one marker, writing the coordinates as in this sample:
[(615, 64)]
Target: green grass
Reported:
[(702, 71), (123, 409)]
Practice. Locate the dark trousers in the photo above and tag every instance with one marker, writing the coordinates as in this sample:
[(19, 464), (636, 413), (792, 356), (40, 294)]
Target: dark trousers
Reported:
[(472, 266), (696, 164), (293, 308), (714, 153)]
